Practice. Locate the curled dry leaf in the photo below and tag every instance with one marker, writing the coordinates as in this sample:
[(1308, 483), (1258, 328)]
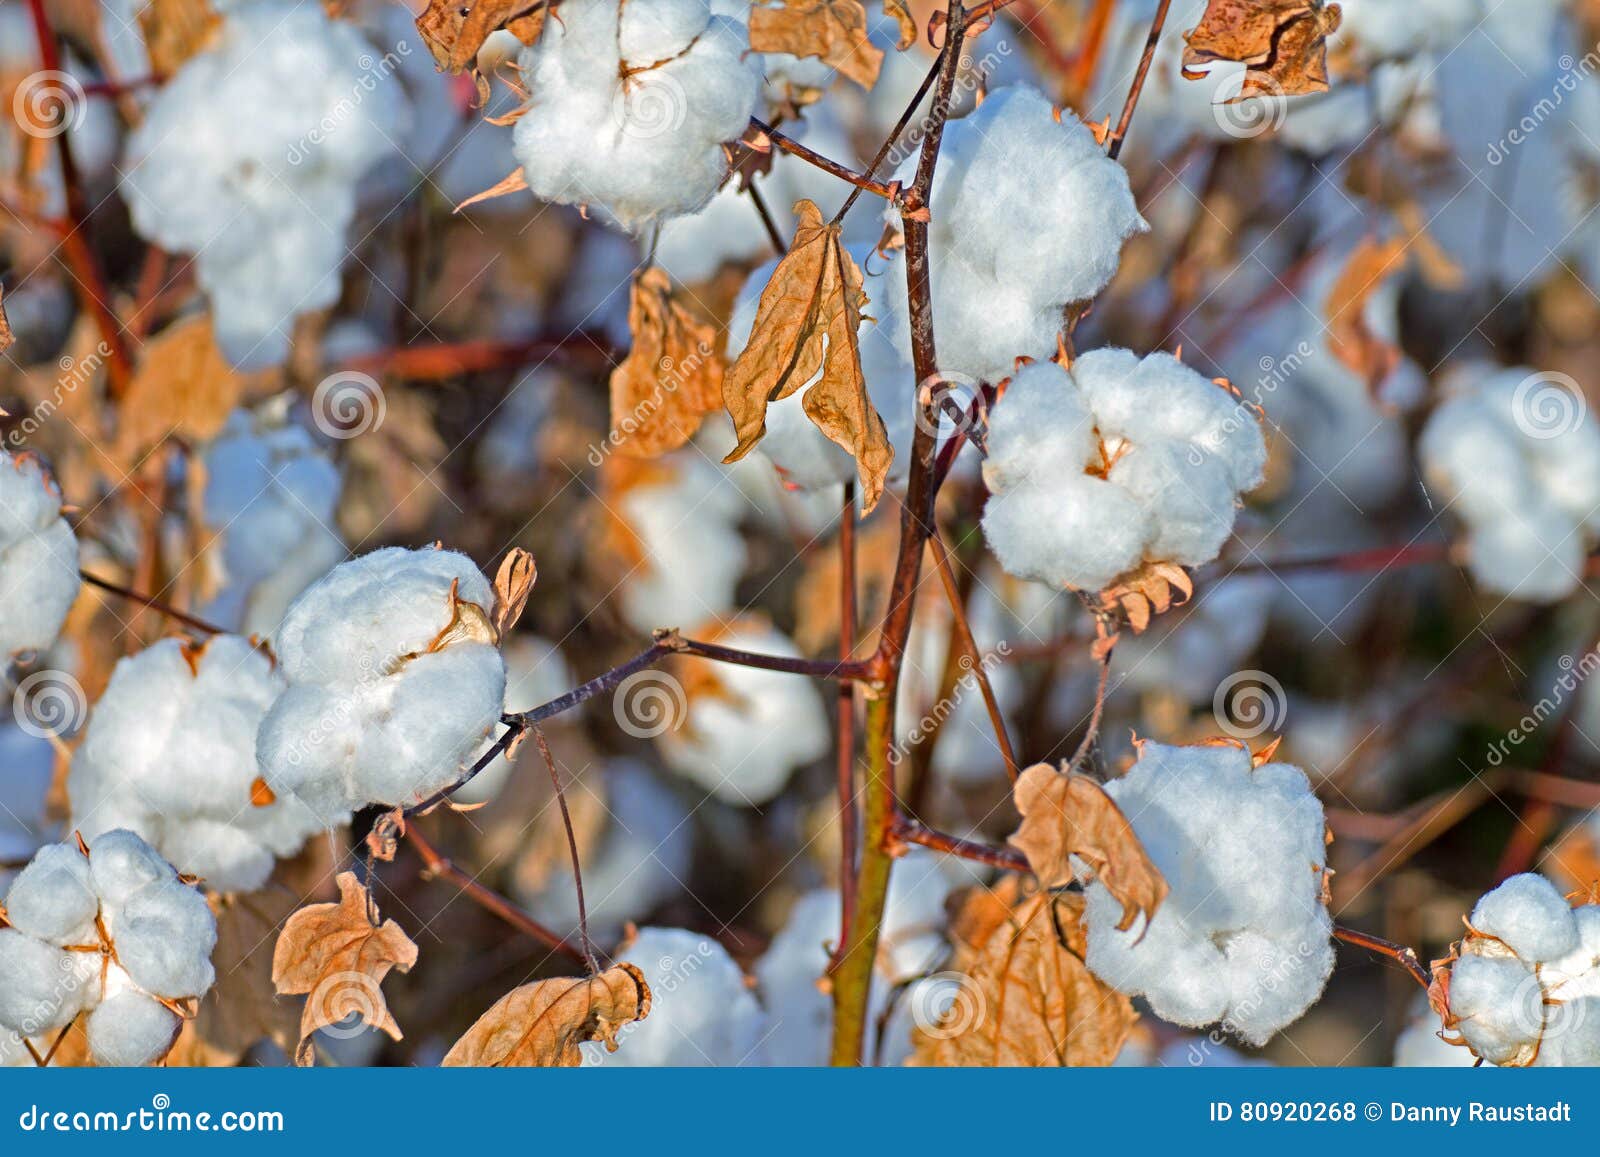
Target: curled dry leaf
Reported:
[(833, 30), (337, 956), (672, 376), (1283, 43), (1147, 592), (175, 30), (1027, 998), (1352, 341), (807, 320), (902, 16), (183, 385), (513, 583), (1065, 814), (543, 1023), (454, 32)]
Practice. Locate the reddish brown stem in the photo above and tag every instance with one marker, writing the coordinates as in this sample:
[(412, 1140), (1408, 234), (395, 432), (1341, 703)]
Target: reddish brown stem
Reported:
[(889, 192), (1405, 957), (1009, 859), (1120, 134), (572, 849), (947, 579), (153, 604)]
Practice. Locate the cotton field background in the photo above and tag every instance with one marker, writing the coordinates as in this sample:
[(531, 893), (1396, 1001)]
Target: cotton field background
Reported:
[(690, 532)]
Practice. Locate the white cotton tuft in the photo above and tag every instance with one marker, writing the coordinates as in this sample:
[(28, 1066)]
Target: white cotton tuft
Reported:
[(702, 1014), (40, 987), (1243, 937), (38, 557), (53, 899), (1529, 916), (249, 158), (394, 681), (131, 1030), (630, 105), (164, 934)]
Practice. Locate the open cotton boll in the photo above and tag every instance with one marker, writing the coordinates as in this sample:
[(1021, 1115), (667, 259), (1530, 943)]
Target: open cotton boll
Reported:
[(157, 931), (264, 210), (170, 753), (702, 1014), (1075, 531), (1028, 216), (52, 899), (1516, 455), (1243, 937), (38, 557), (1044, 428), (131, 1030), (1529, 916), (394, 680), (630, 105), (40, 988), (270, 497), (746, 730)]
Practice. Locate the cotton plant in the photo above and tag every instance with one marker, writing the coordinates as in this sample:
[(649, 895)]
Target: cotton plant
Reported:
[(1514, 455), (266, 209), (1523, 987), (1116, 463), (38, 557), (536, 673), (1244, 937), (1029, 216), (269, 499), (743, 731), (108, 929), (170, 754), (394, 679), (630, 105)]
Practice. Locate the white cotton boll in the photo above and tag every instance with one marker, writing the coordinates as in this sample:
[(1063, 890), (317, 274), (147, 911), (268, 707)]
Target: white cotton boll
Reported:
[(693, 552), (743, 738), (39, 986), (1529, 916), (164, 934), (265, 211), (702, 1014), (630, 106), (1071, 531), (1188, 494), (121, 864), (52, 898), (38, 557), (1044, 428), (1242, 937), (131, 1030), (1497, 1002)]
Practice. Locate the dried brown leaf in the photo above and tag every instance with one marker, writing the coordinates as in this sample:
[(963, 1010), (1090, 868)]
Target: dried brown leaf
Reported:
[(672, 377), (1065, 814), (1027, 997), (513, 182), (541, 1024), (1352, 341), (902, 16), (183, 386), (833, 30), (175, 30), (337, 957), (807, 320), (1283, 43), (454, 32), (513, 583)]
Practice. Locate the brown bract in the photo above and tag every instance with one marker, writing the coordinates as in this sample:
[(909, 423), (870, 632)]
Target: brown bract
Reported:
[(513, 583), (542, 1024), (807, 320), (672, 376), (337, 956), (1351, 339), (1065, 814), (1284, 43), (175, 30), (833, 30), (1027, 998)]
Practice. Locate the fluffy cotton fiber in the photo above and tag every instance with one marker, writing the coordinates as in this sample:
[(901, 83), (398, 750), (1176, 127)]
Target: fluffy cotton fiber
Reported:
[(170, 753), (390, 687), (1119, 462), (249, 158), (38, 557), (630, 104), (1028, 216), (121, 896), (1516, 455), (1243, 938)]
